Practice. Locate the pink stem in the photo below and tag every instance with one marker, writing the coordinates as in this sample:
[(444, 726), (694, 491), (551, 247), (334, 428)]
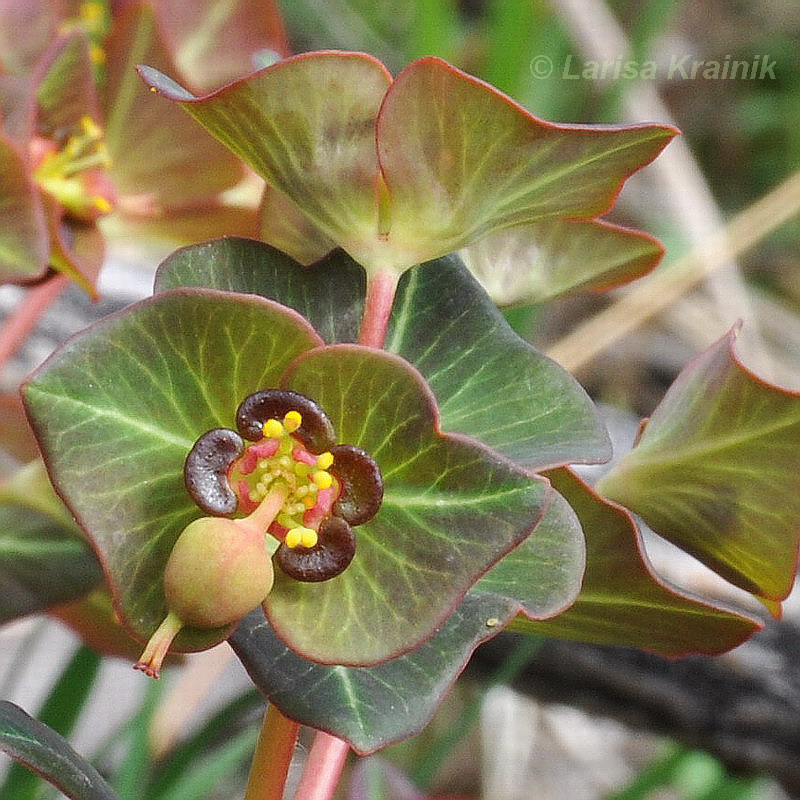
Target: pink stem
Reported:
[(323, 769), (377, 308), (23, 320), (272, 757)]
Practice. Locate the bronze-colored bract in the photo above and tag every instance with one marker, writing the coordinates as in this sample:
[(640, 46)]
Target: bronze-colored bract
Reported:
[(328, 558), (361, 481), (316, 431), (205, 471)]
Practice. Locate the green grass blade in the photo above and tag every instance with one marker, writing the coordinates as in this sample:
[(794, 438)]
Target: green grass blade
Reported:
[(60, 711)]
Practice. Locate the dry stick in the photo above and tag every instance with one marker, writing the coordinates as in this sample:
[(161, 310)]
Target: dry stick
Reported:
[(683, 188), (23, 320), (664, 287)]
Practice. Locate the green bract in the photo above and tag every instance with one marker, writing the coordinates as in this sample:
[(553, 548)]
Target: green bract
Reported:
[(398, 172), (119, 407)]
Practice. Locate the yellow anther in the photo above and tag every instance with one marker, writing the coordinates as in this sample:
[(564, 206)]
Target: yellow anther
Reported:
[(101, 204), (97, 55), (301, 491), (324, 460), (293, 537), (322, 479), (301, 537), (272, 429), (308, 537), (309, 501), (292, 421), (90, 128)]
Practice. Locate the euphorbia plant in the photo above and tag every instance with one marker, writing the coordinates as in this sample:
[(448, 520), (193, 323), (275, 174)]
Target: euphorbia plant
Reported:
[(257, 406), (80, 139)]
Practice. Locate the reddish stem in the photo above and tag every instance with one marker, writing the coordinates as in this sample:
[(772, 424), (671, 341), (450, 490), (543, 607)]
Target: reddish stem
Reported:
[(23, 320), (323, 769), (377, 308), (272, 756)]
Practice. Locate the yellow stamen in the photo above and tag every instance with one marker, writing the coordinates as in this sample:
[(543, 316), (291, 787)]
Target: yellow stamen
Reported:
[(292, 421), (324, 460), (308, 537), (293, 537), (301, 537), (273, 429), (322, 479)]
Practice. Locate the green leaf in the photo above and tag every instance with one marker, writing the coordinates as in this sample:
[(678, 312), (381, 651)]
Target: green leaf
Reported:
[(537, 262), (329, 294), (369, 707), (488, 382), (42, 563), (119, 407), (285, 226), (44, 558), (623, 602), (23, 230), (160, 158), (175, 774), (715, 472), (65, 701), (461, 160), (451, 509), (544, 574), (320, 152), (30, 742)]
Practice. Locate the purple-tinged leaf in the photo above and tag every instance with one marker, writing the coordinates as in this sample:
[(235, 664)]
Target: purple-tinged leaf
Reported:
[(306, 125), (76, 248), (329, 294), (65, 88), (27, 27), (23, 228), (451, 509), (118, 408), (622, 601), (488, 382), (537, 262), (47, 753), (369, 707), (461, 160), (715, 472), (159, 157), (216, 41)]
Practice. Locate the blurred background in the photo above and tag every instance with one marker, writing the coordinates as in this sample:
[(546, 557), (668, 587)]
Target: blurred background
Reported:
[(581, 61)]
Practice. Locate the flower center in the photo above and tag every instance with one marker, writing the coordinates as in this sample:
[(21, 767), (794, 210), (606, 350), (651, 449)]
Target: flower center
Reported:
[(74, 174), (280, 462)]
